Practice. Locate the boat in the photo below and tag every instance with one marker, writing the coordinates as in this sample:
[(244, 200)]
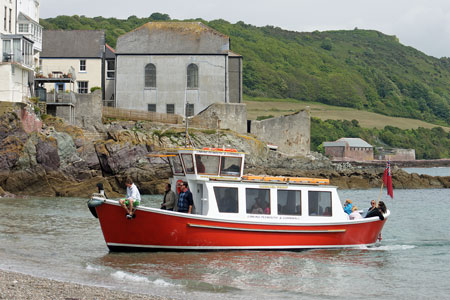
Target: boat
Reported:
[(233, 211)]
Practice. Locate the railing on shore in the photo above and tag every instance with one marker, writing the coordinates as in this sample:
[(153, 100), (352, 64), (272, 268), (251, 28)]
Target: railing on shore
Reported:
[(139, 115)]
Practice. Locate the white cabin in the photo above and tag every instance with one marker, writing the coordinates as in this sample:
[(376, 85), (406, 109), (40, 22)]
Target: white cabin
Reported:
[(220, 190)]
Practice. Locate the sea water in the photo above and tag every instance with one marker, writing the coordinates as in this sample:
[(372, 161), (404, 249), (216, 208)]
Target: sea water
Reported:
[(58, 238)]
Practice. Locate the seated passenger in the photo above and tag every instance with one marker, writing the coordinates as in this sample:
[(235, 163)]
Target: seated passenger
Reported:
[(257, 207), (355, 214), (327, 211), (348, 206), (378, 211)]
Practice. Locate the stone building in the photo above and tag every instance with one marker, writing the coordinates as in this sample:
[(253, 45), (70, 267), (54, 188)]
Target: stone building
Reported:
[(176, 67), (349, 149)]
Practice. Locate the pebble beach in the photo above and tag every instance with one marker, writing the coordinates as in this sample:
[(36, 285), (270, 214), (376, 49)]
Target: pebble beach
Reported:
[(20, 286)]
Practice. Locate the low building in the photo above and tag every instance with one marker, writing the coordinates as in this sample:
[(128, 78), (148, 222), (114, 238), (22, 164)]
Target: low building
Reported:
[(176, 67), (349, 149), (397, 154)]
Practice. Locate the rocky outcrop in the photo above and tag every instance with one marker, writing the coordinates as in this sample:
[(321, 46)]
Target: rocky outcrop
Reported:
[(59, 160)]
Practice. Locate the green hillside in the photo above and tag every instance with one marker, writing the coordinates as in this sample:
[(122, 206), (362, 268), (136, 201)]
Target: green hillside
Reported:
[(362, 69)]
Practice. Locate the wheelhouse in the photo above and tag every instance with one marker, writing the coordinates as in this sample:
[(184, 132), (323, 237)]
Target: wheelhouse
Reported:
[(215, 178)]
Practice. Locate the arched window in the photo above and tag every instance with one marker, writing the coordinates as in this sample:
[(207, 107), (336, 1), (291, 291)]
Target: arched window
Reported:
[(192, 76), (150, 76)]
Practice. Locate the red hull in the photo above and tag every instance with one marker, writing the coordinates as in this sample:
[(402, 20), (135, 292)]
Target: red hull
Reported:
[(153, 229)]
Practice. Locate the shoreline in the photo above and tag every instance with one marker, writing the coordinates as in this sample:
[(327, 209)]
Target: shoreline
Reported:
[(15, 285)]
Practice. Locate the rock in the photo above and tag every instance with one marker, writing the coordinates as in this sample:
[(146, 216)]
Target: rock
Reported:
[(47, 154), (28, 182)]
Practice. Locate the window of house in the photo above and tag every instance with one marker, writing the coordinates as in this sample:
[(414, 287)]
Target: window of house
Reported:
[(319, 203), (192, 76), (23, 28), (289, 202), (258, 201), (150, 76), (227, 199), (82, 87), (170, 108), (82, 65), (151, 107), (4, 19), (110, 69), (10, 16), (189, 110)]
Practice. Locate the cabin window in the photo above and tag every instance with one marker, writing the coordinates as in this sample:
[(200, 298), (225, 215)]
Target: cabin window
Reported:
[(188, 163), (207, 164), (319, 203), (230, 166), (227, 199), (258, 201), (289, 202), (175, 164)]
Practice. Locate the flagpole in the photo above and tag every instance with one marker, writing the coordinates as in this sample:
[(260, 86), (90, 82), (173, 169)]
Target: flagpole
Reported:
[(381, 190)]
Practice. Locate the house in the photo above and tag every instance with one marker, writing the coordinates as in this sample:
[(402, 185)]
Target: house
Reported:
[(349, 149), (110, 75), (176, 67), (17, 48), (76, 53)]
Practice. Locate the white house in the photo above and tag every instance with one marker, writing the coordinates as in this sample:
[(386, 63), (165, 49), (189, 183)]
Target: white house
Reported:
[(17, 48), (176, 67)]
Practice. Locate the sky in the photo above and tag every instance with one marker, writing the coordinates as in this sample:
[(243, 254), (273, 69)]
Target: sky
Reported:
[(422, 24)]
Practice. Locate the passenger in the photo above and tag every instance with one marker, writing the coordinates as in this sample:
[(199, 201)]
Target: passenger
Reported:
[(348, 206), (373, 205), (199, 163), (327, 211), (378, 211), (185, 201), (355, 214), (169, 198), (266, 208), (257, 206), (132, 200)]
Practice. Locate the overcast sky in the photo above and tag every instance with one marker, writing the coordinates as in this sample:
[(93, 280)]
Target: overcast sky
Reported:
[(422, 24)]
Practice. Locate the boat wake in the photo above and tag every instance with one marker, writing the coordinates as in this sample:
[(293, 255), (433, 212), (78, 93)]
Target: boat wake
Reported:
[(392, 247)]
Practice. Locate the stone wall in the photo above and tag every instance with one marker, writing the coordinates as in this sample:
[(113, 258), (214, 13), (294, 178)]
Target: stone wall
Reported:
[(291, 133), (88, 110), (399, 155), (231, 116)]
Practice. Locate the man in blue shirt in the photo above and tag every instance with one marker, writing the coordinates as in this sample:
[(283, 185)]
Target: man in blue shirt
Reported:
[(185, 201)]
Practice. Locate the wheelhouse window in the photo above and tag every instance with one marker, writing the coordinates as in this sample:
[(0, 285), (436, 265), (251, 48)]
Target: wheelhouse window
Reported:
[(207, 164), (319, 203), (82, 87), (150, 76), (175, 164), (188, 163), (82, 65), (289, 202), (151, 107), (192, 76), (227, 199), (230, 166), (258, 201)]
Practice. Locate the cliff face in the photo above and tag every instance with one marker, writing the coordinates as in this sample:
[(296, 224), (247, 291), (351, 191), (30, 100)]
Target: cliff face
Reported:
[(61, 160)]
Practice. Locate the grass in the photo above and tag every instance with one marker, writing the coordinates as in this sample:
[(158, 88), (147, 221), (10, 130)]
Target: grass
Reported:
[(257, 107)]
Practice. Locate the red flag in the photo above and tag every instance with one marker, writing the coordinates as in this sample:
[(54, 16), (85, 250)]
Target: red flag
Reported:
[(387, 179)]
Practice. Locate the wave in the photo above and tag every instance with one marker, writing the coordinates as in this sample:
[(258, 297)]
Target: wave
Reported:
[(392, 247), (129, 277), (93, 268), (162, 282)]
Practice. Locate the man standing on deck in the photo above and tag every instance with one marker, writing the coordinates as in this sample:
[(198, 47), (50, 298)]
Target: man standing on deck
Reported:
[(132, 200), (169, 198), (185, 201)]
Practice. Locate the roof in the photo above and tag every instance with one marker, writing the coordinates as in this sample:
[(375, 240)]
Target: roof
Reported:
[(334, 144), (110, 53), (73, 44), (233, 54), (24, 17), (355, 142), (173, 38)]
